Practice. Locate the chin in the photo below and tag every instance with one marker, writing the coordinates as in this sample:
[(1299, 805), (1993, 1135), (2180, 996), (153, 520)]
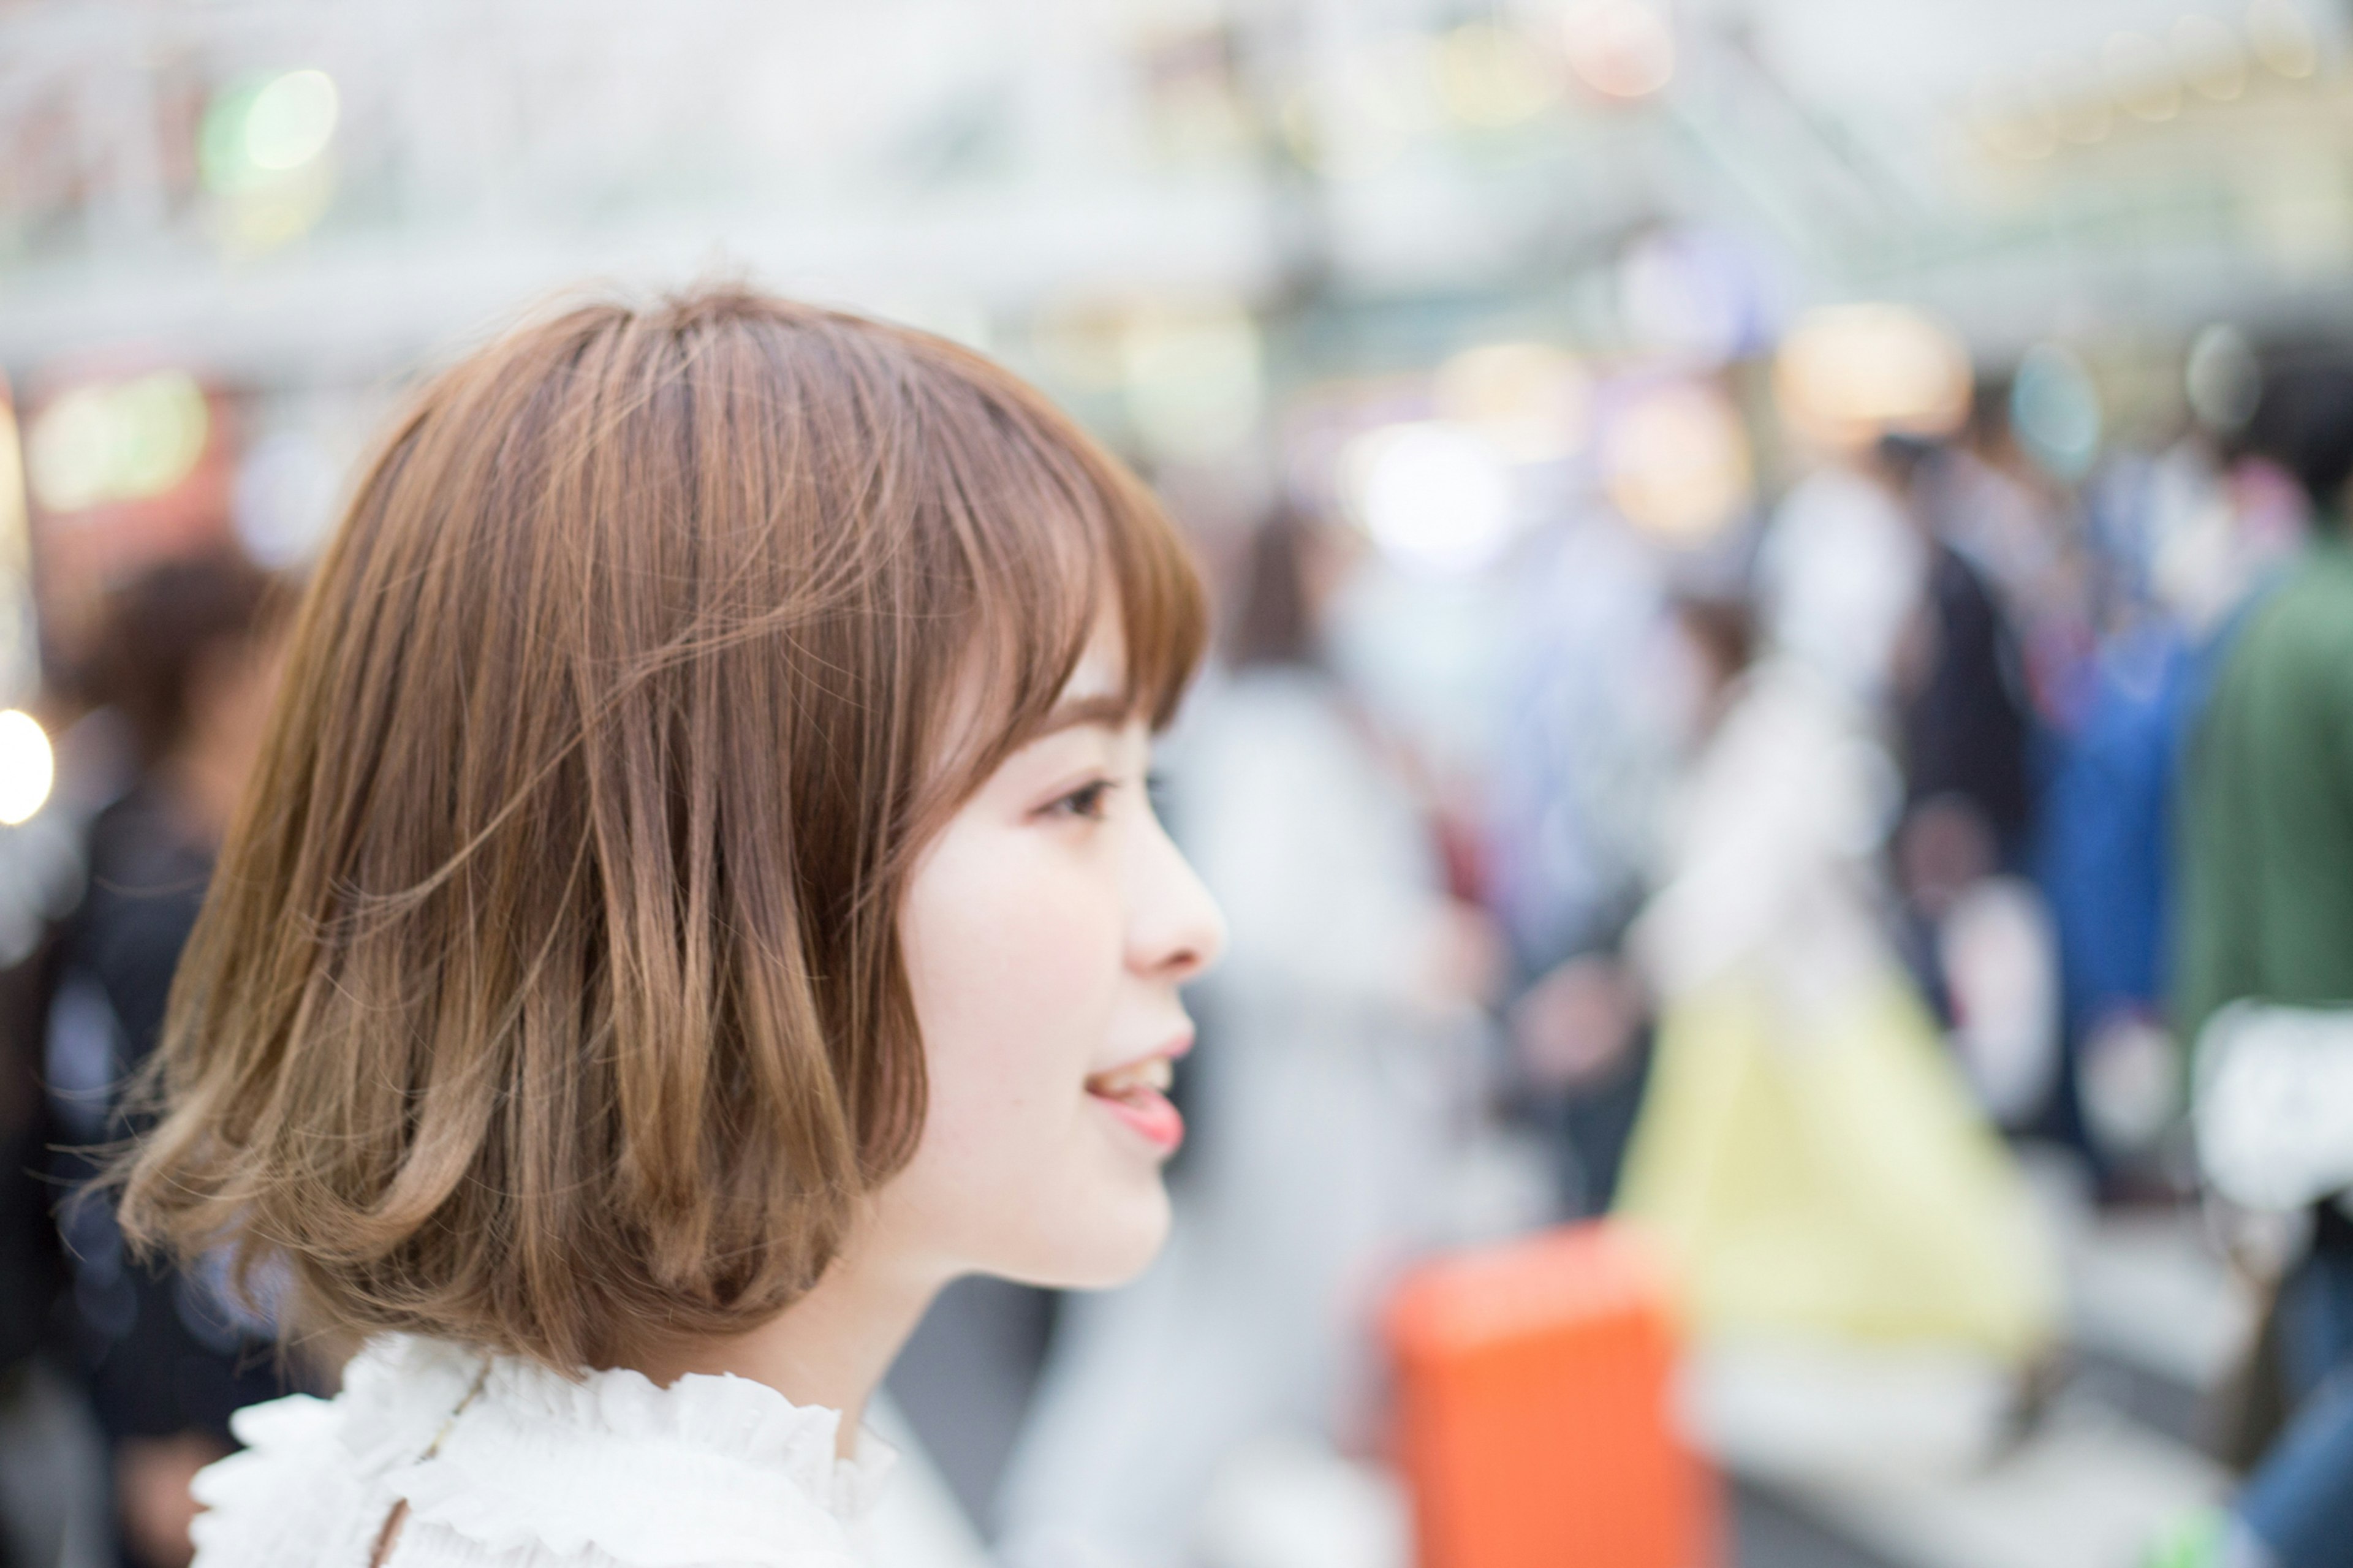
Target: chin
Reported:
[(1108, 1246)]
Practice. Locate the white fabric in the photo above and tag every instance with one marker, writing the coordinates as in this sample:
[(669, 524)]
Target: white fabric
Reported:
[(536, 1471), (1772, 847), (1840, 572), (2274, 1104)]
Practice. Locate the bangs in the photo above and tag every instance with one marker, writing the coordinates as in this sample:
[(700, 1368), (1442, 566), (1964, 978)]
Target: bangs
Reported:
[(1052, 534)]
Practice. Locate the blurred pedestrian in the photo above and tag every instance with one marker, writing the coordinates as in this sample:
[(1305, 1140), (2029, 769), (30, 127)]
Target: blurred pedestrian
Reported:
[(1975, 933), (2266, 979), (1591, 736), (1806, 1150), (1337, 1068), (1987, 499), (50, 1509), (190, 661), (2224, 520)]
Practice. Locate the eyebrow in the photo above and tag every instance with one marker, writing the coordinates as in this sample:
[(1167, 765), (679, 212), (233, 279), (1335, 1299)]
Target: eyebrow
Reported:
[(1111, 710)]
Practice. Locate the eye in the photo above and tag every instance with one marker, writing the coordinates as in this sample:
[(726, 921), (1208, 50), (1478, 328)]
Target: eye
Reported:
[(1089, 800)]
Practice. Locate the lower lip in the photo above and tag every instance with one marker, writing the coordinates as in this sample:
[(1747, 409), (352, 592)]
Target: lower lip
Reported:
[(1150, 1115)]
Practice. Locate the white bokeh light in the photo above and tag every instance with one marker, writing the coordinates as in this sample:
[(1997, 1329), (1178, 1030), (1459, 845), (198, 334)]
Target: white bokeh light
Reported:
[(27, 767), (291, 120), (1434, 497)]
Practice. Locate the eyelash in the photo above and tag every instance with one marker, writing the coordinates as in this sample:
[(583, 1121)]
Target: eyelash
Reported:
[(1087, 800)]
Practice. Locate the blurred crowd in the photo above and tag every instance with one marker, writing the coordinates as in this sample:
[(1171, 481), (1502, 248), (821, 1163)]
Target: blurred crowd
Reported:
[(1823, 886), (1853, 795), (1800, 889)]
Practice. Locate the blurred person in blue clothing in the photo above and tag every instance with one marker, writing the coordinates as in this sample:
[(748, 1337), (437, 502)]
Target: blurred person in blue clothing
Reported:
[(2187, 539), (190, 663), (2202, 530)]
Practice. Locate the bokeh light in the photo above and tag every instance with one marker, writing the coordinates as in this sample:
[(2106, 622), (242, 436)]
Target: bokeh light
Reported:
[(1531, 401), (114, 441), (1192, 377), (284, 498), (1622, 49), (1384, 97), (256, 132), (1434, 497), (27, 767), (290, 120), (2221, 378), (19, 655), (2283, 38), (2056, 410), (13, 519), (1675, 462), (1493, 75), (1847, 374), (1689, 293)]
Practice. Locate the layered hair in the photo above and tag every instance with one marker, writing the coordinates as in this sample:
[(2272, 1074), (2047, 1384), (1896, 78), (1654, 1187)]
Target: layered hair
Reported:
[(549, 991)]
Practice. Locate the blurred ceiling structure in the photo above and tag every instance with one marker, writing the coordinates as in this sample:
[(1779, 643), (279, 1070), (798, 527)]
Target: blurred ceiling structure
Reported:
[(309, 191)]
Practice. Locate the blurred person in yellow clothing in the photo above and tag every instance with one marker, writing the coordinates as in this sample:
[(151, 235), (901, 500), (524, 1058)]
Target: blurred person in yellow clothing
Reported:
[(1807, 1152)]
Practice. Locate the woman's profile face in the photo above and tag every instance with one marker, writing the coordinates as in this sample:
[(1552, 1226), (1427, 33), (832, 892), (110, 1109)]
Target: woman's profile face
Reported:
[(1047, 931)]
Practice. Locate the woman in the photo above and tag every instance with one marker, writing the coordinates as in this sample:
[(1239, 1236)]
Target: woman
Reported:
[(698, 897)]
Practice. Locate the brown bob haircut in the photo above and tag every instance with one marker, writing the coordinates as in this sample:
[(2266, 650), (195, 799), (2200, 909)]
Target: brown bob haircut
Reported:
[(548, 995)]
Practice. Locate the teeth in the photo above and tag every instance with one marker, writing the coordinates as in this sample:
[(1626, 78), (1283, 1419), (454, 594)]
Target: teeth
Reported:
[(1153, 1073)]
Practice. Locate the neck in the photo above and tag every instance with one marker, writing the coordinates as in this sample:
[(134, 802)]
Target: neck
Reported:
[(830, 1348)]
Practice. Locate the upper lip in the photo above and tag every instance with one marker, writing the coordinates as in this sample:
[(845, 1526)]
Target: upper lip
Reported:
[(1172, 1050)]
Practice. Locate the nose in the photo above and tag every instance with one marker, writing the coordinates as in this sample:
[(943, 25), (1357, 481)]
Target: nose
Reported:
[(1176, 929)]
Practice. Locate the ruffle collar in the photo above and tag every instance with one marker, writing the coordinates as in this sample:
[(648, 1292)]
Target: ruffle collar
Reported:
[(709, 1469)]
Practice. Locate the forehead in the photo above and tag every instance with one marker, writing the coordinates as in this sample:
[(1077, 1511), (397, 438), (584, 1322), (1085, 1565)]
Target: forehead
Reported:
[(1098, 693), (1101, 669)]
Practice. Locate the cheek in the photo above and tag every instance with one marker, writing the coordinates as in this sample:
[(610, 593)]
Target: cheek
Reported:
[(1015, 957), (1013, 963), (1013, 954)]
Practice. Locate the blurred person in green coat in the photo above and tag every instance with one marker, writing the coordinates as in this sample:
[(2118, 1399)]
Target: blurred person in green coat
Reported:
[(2264, 976)]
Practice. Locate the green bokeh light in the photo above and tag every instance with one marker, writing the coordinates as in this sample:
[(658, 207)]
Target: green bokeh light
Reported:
[(257, 130)]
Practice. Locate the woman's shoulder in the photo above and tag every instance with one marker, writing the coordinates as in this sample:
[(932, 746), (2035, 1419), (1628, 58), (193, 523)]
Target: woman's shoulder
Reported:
[(502, 1462), (312, 1485), (293, 1494)]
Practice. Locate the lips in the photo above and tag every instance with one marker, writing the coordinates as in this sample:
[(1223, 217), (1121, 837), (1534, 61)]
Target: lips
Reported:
[(1136, 1094)]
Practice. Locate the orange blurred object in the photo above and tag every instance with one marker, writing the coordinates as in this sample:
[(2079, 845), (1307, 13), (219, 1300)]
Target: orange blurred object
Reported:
[(1535, 1420)]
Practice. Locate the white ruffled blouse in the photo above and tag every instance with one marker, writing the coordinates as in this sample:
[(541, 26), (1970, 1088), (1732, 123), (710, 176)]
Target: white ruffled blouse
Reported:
[(505, 1464)]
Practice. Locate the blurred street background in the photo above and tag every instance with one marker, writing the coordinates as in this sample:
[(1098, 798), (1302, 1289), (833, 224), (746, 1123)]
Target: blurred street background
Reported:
[(1759, 547)]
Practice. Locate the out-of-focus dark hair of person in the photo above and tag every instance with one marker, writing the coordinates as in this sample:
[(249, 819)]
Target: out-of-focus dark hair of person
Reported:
[(1903, 457), (1276, 623), (1723, 626), (2304, 421), (163, 628), (1988, 427)]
